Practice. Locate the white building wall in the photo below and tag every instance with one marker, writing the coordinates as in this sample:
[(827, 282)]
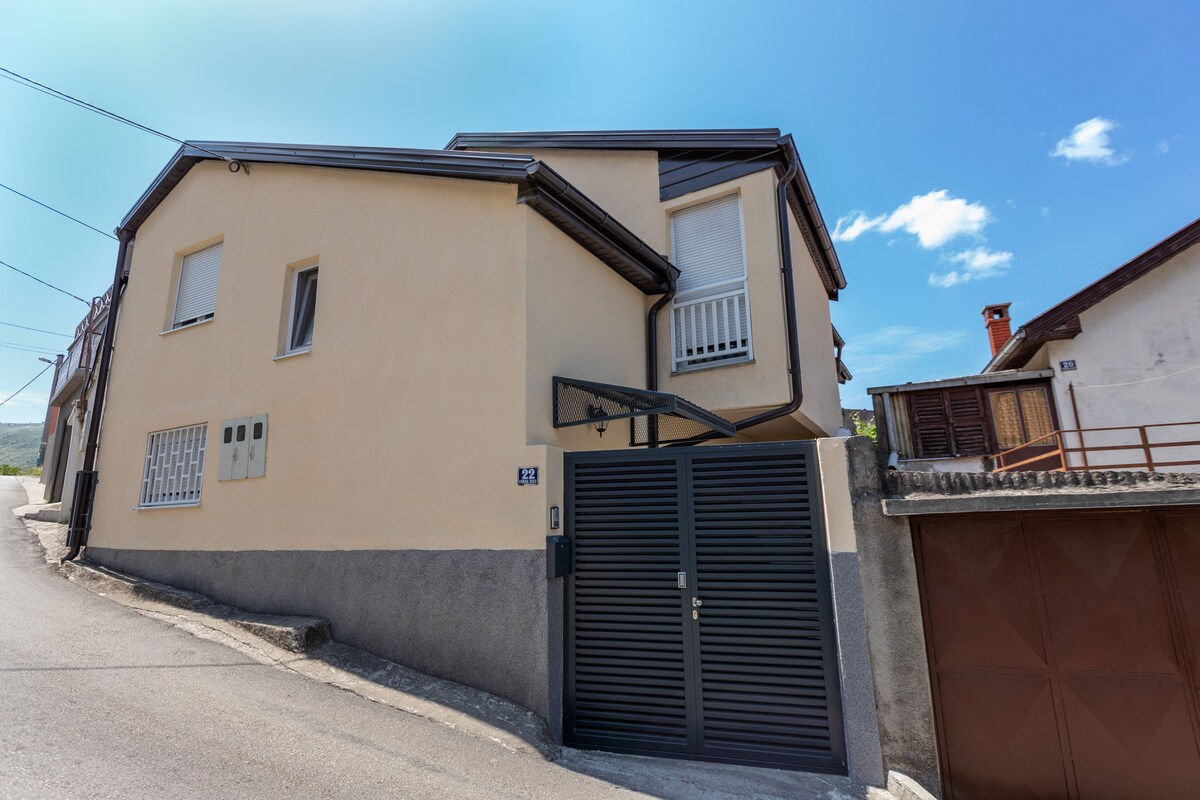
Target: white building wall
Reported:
[(1137, 363)]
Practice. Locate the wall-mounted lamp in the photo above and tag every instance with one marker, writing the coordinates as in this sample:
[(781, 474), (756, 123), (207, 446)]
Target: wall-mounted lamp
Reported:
[(601, 425), (48, 361)]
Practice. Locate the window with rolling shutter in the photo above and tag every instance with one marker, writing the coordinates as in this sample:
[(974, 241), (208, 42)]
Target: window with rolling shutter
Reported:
[(196, 298), (710, 316)]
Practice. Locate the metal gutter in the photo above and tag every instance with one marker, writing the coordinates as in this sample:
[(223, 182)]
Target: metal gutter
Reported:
[(766, 140), (539, 187)]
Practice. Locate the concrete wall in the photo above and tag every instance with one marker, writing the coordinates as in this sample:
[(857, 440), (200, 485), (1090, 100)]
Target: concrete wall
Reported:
[(480, 617), (864, 756), (1138, 362), (892, 603)]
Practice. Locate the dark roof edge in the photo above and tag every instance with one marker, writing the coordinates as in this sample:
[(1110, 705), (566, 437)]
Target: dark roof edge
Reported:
[(590, 225), (800, 194), (724, 138), (984, 379), (1062, 320)]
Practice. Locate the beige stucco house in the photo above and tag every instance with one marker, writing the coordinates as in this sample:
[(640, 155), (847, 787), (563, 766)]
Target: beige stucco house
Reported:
[(1106, 379), (389, 448)]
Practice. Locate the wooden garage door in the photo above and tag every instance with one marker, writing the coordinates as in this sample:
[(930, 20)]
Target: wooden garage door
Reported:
[(1061, 653)]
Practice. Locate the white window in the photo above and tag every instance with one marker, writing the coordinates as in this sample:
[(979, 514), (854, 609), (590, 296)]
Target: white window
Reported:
[(174, 467), (196, 299), (710, 316), (303, 311)]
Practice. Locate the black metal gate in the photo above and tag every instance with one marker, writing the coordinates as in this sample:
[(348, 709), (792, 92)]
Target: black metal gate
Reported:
[(699, 614)]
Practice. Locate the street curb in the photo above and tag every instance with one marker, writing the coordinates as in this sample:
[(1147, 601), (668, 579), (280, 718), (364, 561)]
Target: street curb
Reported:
[(292, 633)]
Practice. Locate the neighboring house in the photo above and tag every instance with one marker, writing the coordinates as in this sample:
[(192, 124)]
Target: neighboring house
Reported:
[(391, 447), (1106, 379), (70, 406)]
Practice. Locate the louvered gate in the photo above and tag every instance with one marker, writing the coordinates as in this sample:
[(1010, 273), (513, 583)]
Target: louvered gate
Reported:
[(699, 614)]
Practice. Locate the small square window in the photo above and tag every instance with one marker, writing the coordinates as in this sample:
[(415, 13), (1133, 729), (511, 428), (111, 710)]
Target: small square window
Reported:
[(303, 311)]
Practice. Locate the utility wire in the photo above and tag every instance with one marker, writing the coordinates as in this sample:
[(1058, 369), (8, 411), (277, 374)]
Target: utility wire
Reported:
[(26, 386), (29, 348), (56, 211), (38, 330), (44, 89), (39, 280)]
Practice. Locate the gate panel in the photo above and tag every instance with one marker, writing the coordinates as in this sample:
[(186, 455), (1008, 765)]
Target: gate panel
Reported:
[(626, 662), (737, 664), (1107, 599), (768, 668)]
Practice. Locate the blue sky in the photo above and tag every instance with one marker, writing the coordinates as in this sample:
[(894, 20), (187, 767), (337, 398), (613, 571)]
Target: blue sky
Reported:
[(928, 129)]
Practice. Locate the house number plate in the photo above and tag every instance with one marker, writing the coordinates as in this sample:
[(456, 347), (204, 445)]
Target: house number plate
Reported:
[(527, 476)]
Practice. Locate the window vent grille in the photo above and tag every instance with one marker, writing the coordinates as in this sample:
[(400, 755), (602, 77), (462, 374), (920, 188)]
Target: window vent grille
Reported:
[(174, 468)]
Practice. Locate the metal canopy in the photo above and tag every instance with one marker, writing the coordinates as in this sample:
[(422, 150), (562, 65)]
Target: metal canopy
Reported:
[(655, 417)]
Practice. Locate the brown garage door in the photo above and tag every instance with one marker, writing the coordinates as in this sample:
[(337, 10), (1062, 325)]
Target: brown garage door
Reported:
[(1062, 653)]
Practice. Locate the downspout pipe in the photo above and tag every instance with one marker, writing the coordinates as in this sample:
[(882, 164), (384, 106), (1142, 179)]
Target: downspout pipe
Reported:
[(652, 351), (85, 479), (795, 383)]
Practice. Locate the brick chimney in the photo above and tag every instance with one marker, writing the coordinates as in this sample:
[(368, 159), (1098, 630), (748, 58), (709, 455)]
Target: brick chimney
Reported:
[(999, 326)]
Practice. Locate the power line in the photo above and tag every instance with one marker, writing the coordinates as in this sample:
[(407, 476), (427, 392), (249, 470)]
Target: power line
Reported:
[(44, 89), (28, 348), (26, 386), (56, 211), (39, 280), (38, 330)]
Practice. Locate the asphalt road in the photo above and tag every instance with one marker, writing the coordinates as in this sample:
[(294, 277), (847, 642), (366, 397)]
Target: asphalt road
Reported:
[(98, 701)]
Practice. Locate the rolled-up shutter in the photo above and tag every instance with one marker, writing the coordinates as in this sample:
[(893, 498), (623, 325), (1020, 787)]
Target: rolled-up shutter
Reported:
[(197, 297), (706, 244)]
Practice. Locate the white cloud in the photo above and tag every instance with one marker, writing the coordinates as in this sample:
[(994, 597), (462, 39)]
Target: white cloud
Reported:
[(1088, 141), (934, 218), (977, 264), (1165, 145), (851, 226)]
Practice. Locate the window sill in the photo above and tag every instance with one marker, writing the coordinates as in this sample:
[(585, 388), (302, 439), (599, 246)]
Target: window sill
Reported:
[(293, 354), (189, 326), (196, 504), (715, 365)]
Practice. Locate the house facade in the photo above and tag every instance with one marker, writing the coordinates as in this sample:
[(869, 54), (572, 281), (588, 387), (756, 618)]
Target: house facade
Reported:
[(1106, 379), (362, 384), (69, 408)]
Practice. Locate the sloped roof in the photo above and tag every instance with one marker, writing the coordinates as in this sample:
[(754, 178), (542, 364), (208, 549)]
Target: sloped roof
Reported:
[(539, 187), (747, 141), (1062, 321)]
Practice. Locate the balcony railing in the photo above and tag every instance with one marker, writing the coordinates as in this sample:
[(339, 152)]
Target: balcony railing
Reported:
[(1149, 447), (79, 357), (711, 326)]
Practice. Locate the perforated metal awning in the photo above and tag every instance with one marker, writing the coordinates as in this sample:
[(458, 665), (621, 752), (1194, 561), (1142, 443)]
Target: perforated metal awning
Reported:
[(654, 417)]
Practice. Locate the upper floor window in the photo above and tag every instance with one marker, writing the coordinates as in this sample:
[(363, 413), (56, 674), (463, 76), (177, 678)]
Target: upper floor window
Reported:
[(303, 311), (710, 317), (196, 297)]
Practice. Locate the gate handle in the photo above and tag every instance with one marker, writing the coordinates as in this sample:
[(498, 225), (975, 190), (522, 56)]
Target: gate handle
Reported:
[(697, 602)]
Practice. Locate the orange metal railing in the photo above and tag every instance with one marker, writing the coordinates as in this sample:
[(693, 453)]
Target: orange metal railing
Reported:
[(1145, 443)]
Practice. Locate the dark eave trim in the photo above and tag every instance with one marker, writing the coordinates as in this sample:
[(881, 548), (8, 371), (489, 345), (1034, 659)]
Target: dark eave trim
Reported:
[(800, 194), (538, 186), (986, 379), (724, 139), (1062, 321)]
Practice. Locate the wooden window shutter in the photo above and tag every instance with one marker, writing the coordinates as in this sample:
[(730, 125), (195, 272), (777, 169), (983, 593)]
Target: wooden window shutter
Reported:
[(968, 422), (950, 422), (930, 425)]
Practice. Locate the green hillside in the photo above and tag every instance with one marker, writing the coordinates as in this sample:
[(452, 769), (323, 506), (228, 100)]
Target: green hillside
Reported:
[(19, 443)]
